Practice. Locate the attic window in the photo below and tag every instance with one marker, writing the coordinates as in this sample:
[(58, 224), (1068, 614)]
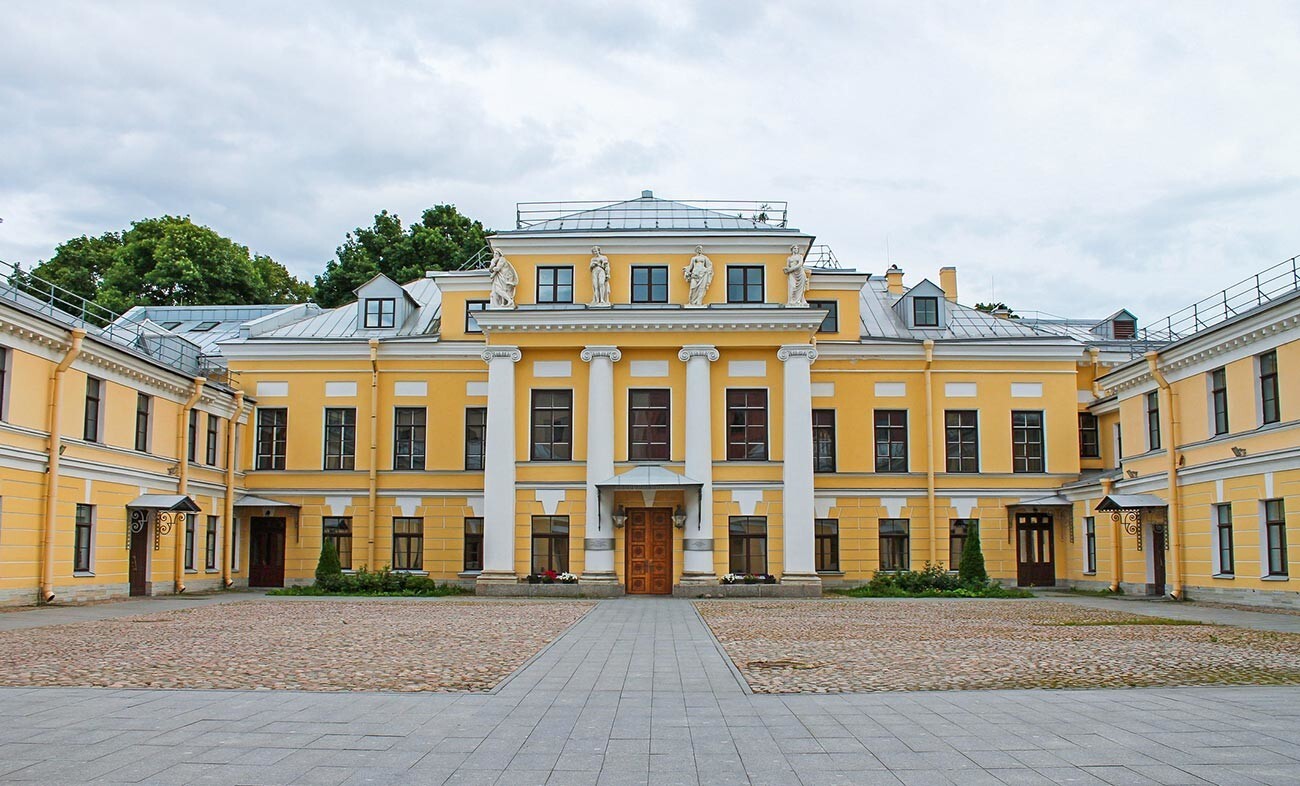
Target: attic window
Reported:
[(925, 312), (1125, 328), (202, 327), (381, 312), (169, 325)]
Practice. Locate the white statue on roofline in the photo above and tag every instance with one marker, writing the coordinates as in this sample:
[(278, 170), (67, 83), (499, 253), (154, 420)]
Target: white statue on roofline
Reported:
[(504, 281)]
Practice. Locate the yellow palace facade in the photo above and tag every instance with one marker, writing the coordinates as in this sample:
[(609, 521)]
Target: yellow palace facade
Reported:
[(651, 396)]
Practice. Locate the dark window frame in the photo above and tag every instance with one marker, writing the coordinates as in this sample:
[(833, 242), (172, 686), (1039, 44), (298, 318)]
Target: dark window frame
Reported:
[(83, 541), (191, 538), (892, 533), (552, 448), (831, 324), (961, 439), (1277, 560), (931, 317), (1226, 546), (338, 530), (656, 441), (210, 544), (408, 543), (192, 437), (272, 442), (143, 421), (742, 532), (1219, 401), (475, 447), (553, 542), (473, 550), (471, 323), (743, 404), (5, 353), (340, 444), (958, 533), (826, 545), (823, 439), (210, 445), (650, 290), (1089, 436), (1022, 459), (745, 286), (383, 316), (1090, 544), (885, 424), (410, 450), (555, 287), (1270, 402), (91, 427), (1152, 402)]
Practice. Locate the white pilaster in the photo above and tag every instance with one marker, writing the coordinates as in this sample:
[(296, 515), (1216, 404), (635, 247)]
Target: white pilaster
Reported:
[(797, 465), (698, 538), (599, 540), (499, 467)]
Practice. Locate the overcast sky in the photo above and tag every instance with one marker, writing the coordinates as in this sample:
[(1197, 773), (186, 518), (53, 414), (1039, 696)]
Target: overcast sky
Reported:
[(1078, 157)]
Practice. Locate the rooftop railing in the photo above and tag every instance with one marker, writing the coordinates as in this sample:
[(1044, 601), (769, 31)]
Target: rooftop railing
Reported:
[(821, 256), (655, 213)]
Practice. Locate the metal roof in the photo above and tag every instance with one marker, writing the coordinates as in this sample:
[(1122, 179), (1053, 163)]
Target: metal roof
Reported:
[(1129, 501), (880, 320), (171, 502), (649, 476), (228, 319), (341, 322), (649, 213)]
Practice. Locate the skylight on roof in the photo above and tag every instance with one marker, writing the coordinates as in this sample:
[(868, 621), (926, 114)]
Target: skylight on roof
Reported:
[(170, 325), (204, 327)]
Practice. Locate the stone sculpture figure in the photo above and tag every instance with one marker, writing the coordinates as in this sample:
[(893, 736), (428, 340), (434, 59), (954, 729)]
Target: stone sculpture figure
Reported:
[(796, 279), (599, 277), (699, 273), (504, 281)]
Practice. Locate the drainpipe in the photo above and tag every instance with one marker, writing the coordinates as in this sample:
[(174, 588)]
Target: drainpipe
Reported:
[(52, 471), (372, 505), (1097, 391), (1116, 532), (929, 450), (1169, 423), (228, 515), (183, 482)]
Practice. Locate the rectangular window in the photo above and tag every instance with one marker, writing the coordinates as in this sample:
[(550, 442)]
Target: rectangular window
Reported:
[(1153, 420), (648, 425), (649, 284), (826, 534), (471, 324), (925, 312), (831, 324), (1269, 405), (381, 312), (1219, 400), (338, 530), (552, 425), (1089, 544), (1223, 527), (747, 425), (744, 283), (272, 437), (211, 445), (192, 436), (143, 405), (210, 545), (234, 546), (550, 544), (189, 541), (1275, 535), (4, 379), (958, 531), (94, 401), (85, 523), (823, 425), (1026, 441), (408, 437), (891, 440), (554, 285), (962, 437), (894, 550), (1089, 436), (473, 544), (748, 544), (475, 437), (408, 543), (340, 437)]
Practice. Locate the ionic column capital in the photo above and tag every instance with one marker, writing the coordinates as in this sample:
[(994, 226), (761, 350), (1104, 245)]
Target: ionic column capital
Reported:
[(789, 351), (706, 351), (591, 353), (493, 353)]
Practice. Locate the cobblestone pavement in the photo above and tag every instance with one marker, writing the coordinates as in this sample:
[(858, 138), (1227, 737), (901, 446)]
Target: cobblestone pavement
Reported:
[(328, 645), (881, 645)]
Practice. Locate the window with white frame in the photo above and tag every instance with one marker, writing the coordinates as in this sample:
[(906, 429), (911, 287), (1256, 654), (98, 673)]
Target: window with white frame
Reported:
[(1223, 551), (1090, 544), (83, 539), (1275, 560)]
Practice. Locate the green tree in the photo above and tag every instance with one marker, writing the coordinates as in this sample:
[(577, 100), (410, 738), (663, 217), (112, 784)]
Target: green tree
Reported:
[(168, 261), (442, 239), (329, 572), (971, 568)]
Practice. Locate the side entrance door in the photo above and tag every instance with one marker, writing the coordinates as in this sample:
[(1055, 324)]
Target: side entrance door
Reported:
[(138, 571), (1036, 564), (266, 552), (649, 548), (1157, 585)]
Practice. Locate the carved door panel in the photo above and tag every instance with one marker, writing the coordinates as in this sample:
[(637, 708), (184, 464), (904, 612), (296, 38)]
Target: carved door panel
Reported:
[(649, 549)]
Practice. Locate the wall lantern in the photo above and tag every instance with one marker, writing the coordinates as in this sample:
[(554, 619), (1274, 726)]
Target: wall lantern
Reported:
[(620, 518), (679, 518)]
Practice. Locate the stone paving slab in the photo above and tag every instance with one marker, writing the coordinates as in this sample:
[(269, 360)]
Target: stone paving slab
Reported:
[(959, 644)]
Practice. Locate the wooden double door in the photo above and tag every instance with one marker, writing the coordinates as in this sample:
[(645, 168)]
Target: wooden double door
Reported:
[(266, 552), (1035, 550), (649, 549)]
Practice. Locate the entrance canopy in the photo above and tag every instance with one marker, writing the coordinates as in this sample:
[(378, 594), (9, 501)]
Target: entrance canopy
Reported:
[(1044, 502), (177, 503), (249, 501), (1130, 501), (648, 477)]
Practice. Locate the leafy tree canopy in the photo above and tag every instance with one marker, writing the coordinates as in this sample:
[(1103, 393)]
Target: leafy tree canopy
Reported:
[(443, 239), (168, 261)]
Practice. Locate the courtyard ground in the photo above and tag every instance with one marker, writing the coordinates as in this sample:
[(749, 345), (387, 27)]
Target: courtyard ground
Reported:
[(319, 645), (947, 644)]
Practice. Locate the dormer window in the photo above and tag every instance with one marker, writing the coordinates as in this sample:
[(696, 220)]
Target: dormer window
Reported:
[(204, 327), (1125, 328), (381, 312), (925, 312)]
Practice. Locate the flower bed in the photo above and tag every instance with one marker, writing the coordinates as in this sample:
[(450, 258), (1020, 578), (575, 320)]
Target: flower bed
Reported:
[(749, 578), (551, 577)]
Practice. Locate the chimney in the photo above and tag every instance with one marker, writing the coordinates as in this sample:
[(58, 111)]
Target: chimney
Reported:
[(894, 278), (948, 283)]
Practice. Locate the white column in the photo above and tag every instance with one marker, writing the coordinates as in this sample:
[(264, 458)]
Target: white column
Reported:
[(599, 540), (499, 468), (697, 541), (797, 465)]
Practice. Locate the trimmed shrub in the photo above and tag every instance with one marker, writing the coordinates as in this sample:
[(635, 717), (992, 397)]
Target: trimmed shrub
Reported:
[(329, 572), (971, 570)]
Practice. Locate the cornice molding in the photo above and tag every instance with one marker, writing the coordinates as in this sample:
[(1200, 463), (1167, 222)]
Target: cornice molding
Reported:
[(648, 320)]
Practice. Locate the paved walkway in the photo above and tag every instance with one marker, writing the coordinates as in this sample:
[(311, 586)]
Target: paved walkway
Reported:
[(1213, 615), (637, 692), (39, 616)]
